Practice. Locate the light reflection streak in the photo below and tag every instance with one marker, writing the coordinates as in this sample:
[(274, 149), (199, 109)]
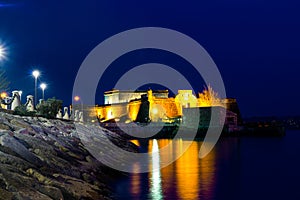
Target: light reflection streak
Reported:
[(135, 188), (155, 187), (187, 171), (187, 178)]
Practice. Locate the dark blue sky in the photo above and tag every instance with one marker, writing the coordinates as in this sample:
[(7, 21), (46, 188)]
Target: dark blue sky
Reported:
[(255, 43)]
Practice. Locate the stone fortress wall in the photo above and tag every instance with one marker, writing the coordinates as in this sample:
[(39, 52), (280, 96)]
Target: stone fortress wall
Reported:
[(161, 107)]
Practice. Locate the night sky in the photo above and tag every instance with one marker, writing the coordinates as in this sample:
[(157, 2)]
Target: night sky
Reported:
[(255, 44)]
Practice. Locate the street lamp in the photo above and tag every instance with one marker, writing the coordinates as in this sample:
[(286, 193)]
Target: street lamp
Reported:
[(78, 99), (3, 96), (36, 74), (43, 87)]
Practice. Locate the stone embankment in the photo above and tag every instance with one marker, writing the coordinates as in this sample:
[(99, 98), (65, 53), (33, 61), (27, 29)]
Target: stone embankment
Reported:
[(43, 159)]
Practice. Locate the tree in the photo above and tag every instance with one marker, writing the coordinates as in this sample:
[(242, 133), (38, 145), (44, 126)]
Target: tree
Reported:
[(209, 98), (49, 108)]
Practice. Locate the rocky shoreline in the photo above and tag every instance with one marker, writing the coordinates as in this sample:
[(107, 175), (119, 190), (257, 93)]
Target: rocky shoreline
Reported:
[(43, 159)]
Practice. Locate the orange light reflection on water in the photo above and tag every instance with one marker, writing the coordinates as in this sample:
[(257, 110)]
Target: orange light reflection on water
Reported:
[(187, 171), (135, 182), (155, 179), (194, 178)]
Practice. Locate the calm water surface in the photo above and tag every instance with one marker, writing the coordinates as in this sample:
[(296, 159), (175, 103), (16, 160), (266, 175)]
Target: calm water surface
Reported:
[(237, 168)]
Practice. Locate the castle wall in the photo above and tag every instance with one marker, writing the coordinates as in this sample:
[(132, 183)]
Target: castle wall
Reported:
[(116, 96), (185, 104), (112, 98), (133, 109), (108, 112), (186, 99), (204, 114), (167, 107), (160, 108)]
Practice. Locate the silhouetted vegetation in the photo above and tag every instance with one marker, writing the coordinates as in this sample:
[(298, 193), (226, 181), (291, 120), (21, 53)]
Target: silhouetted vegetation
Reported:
[(22, 111), (49, 108)]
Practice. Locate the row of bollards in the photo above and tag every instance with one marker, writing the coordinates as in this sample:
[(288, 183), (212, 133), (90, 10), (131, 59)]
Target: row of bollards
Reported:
[(15, 101)]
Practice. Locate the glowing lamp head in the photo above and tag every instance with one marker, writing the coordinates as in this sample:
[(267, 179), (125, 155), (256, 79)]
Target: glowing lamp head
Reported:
[(3, 95), (36, 73), (43, 86), (76, 98)]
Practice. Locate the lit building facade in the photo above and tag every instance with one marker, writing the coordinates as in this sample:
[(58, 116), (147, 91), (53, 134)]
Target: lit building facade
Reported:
[(157, 106), (125, 96)]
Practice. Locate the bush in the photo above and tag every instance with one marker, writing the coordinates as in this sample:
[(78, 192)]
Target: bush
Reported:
[(49, 108), (21, 110)]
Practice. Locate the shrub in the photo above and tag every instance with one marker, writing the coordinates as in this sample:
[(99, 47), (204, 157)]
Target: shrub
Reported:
[(21, 110), (49, 108)]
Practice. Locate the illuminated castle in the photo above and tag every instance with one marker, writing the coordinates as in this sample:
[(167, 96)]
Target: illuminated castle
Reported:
[(157, 106)]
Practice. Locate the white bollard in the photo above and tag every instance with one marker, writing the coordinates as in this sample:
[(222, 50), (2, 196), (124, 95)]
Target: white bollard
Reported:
[(81, 116), (29, 103), (76, 116), (59, 114), (16, 100), (66, 113)]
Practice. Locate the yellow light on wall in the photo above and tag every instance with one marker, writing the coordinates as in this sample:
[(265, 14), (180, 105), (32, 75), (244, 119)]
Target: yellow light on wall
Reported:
[(110, 114), (155, 111)]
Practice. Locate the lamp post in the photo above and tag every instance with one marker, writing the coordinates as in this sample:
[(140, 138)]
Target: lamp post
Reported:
[(78, 99), (43, 87), (36, 74)]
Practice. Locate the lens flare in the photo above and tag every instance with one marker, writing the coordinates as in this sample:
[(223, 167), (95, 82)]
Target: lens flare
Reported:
[(2, 52)]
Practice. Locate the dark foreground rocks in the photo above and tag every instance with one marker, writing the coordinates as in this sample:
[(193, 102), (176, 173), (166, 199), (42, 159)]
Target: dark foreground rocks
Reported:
[(44, 159)]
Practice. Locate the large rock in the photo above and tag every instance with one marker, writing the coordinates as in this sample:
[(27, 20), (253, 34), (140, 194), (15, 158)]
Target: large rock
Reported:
[(9, 141), (43, 159)]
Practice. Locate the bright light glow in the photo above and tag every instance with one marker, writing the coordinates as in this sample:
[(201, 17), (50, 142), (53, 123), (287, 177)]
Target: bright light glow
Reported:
[(76, 98), (36, 73), (2, 52), (155, 111), (43, 86), (3, 95)]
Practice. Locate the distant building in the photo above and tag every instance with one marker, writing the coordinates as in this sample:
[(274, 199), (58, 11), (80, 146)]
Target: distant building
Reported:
[(157, 106), (124, 96)]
